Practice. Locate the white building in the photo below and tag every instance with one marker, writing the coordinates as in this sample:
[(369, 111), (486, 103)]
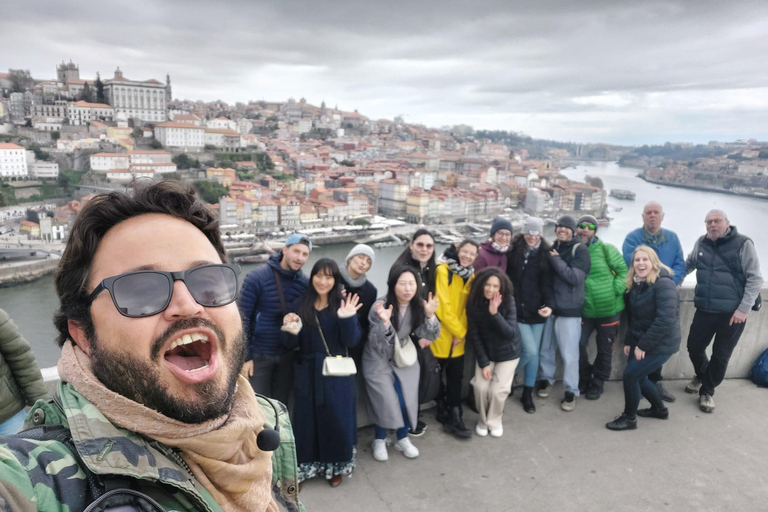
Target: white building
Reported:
[(221, 123), (180, 135), (103, 162), (44, 170), (145, 100), (13, 161), (142, 156), (223, 138), (82, 112)]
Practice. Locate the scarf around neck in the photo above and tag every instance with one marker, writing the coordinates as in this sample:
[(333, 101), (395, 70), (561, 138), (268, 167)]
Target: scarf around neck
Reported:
[(499, 248), (454, 266), (221, 453), (353, 283)]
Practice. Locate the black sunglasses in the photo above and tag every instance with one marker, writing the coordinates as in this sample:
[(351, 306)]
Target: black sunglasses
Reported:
[(585, 225), (148, 292)]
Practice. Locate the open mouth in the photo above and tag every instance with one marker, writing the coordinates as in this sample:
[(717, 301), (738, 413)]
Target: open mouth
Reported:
[(190, 352)]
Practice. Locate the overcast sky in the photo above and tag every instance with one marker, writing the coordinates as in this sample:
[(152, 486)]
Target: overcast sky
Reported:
[(586, 71)]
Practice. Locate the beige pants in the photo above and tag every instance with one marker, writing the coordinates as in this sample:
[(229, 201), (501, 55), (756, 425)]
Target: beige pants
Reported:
[(491, 394)]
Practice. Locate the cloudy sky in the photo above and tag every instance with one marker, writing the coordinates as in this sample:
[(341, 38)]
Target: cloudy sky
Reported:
[(587, 71)]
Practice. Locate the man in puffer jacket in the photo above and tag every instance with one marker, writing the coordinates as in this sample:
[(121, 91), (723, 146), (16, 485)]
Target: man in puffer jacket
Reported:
[(603, 303)]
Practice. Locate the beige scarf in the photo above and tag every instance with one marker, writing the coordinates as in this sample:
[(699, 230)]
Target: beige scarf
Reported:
[(222, 453)]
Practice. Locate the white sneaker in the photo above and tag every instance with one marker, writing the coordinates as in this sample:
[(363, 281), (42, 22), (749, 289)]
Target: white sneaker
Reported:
[(481, 431), (497, 432), (380, 449), (405, 446)]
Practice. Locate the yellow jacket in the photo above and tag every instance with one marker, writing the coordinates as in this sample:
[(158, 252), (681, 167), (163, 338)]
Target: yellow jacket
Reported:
[(451, 311)]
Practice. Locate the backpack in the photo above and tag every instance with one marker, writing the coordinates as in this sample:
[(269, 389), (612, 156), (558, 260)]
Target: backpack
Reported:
[(429, 373), (759, 373)]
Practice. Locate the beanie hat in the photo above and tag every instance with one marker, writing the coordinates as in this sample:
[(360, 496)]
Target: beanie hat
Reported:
[(567, 222), (588, 218), (533, 226), (500, 223), (360, 249), (299, 238)]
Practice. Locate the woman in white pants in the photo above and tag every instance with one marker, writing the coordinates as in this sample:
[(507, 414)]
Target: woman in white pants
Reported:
[(492, 328)]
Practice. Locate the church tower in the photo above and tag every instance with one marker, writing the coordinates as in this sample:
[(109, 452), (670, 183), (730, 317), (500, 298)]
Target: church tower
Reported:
[(168, 96)]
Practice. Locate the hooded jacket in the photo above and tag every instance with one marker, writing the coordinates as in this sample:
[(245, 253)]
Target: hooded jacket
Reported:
[(571, 266), (451, 311), (654, 316), (489, 256), (606, 282)]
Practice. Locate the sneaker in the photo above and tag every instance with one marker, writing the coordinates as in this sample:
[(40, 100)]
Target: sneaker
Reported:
[(665, 395), (622, 423), (569, 402), (694, 386), (594, 392), (497, 432), (661, 414), (421, 427), (481, 431), (543, 388), (380, 449), (706, 403), (404, 445)]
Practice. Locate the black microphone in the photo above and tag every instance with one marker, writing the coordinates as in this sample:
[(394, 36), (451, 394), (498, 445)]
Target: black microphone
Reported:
[(268, 439)]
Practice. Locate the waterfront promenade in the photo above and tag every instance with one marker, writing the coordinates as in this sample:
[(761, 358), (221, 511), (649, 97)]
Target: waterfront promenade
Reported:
[(568, 462)]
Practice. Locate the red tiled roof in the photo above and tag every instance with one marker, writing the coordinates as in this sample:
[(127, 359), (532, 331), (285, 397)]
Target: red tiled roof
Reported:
[(9, 145), (171, 124)]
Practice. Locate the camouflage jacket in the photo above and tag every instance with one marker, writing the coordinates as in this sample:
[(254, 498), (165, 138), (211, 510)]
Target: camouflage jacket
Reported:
[(72, 456)]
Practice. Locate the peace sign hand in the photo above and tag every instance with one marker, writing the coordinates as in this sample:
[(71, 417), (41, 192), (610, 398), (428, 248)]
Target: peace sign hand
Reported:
[(349, 307), (430, 306)]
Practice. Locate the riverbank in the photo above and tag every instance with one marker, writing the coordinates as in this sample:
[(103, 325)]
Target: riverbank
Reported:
[(701, 188), (11, 275)]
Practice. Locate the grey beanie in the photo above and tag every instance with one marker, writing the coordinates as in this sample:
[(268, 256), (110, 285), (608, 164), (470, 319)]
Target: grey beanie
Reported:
[(360, 249), (533, 226), (567, 222)]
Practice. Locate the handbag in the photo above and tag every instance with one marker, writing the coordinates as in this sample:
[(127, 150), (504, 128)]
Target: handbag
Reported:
[(335, 366), (404, 355)]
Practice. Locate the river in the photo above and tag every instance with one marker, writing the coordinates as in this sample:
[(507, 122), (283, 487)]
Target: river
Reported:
[(32, 305)]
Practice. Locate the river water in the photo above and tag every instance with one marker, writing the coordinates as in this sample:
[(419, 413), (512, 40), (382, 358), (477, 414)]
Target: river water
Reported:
[(32, 305)]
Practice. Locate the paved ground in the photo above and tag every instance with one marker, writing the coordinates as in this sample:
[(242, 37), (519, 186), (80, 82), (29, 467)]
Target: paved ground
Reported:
[(562, 462)]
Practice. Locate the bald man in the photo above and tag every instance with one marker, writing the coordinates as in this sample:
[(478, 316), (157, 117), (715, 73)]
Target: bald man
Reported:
[(667, 246)]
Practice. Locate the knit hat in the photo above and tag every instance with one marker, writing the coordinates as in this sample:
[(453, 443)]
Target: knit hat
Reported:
[(499, 223), (299, 238), (588, 218), (360, 249), (567, 222), (533, 226)]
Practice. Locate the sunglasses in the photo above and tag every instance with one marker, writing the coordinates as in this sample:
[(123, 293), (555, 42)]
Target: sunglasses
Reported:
[(148, 292), (587, 225), (422, 245)]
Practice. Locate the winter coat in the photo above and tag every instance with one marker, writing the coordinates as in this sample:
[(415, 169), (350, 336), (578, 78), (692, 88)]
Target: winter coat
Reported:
[(367, 294), (496, 338), (324, 412), (379, 370), (451, 311), (488, 256), (83, 453), (21, 382), (654, 316), (424, 275), (532, 280), (571, 267), (606, 282), (260, 307), (670, 252)]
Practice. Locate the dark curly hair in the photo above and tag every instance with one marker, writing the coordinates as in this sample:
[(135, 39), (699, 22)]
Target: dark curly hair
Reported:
[(100, 214), (477, 298)]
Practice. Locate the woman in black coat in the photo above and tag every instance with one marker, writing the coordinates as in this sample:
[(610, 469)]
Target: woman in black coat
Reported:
[(420, 255), (653, 335)]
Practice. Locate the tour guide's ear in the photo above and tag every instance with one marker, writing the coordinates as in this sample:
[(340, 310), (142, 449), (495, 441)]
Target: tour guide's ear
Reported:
[(77, 334)]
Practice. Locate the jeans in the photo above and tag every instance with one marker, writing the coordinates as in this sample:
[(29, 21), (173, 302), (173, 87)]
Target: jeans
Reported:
[(636, 382), (529, 360), (711, 372), (402, 432), (452, 375), (607, 329), (273, 375), (13, 424), (562, 333)]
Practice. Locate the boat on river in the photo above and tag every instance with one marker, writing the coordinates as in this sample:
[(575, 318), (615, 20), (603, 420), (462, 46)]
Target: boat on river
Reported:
[(622, 194)]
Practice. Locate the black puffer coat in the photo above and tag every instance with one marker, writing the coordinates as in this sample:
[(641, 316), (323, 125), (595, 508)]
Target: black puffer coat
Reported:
[(654, 316), (532, 280), (496, 338)]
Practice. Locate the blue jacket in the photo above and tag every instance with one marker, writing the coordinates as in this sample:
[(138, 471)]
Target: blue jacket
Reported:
[(670, 252), (260, 307)]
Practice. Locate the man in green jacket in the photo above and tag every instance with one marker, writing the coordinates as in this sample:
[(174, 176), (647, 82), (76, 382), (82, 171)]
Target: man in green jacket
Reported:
[(604, 302), (152, 412)]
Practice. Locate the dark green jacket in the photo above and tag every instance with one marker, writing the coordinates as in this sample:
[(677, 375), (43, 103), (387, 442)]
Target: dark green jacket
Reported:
[(91, 453), (606, 282), (21, 383)]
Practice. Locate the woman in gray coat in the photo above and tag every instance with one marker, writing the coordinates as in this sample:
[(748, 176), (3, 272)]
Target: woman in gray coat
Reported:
[(394, 391)]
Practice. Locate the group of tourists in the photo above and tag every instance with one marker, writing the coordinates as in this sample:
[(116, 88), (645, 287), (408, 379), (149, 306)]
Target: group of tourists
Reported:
[(509, 304)]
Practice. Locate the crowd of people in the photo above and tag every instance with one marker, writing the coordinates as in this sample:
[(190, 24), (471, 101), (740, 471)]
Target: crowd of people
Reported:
[(510, 304)]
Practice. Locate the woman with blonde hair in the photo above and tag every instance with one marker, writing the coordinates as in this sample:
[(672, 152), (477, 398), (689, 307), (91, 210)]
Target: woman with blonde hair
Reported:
[(653, 335)]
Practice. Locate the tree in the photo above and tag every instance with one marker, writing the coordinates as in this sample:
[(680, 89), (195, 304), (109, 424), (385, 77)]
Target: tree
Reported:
[(39, 153), (156, 144), (210, 192), (87, 93), (183, 161), (56, 135), (594, 181), (347, 163), (99, 86), (20, 79)]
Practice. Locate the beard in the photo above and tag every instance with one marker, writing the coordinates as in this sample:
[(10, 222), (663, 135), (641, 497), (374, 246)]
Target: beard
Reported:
[(140, 379)]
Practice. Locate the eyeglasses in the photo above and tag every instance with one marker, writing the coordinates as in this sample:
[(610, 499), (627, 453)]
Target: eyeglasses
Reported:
[(422, 245), (148, 292), (504, 234), (587, 225)]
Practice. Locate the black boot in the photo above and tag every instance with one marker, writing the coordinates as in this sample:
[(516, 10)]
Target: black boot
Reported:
[(456, 424), (443, 415), (527, 400)]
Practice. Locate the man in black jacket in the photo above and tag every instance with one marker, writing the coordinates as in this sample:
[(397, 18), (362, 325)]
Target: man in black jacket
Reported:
[(728, 282), (571, 263)]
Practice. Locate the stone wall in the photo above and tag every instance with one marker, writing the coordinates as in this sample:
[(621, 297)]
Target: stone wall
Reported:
[(15, 274)]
